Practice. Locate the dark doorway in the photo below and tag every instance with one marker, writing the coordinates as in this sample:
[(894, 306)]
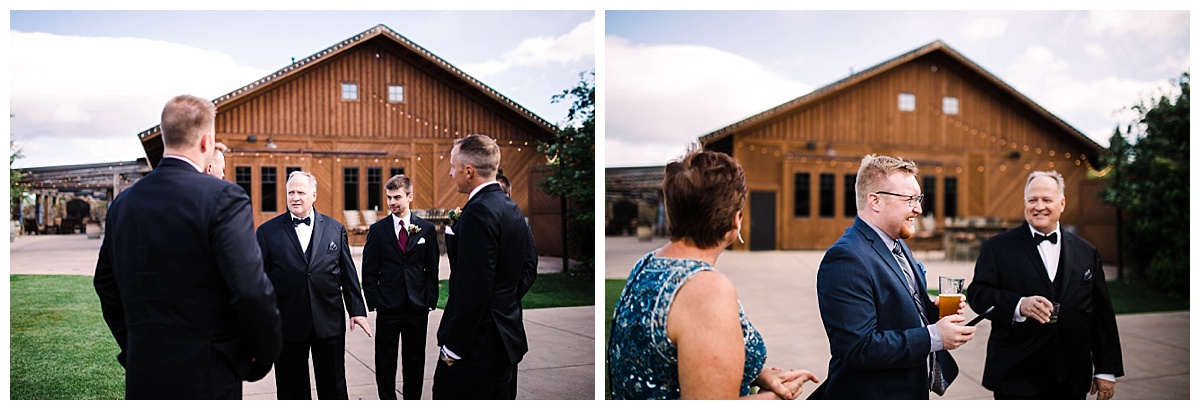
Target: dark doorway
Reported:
[(762, 221)]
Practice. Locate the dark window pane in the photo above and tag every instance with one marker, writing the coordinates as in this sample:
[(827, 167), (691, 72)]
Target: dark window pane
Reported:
[(396, 171), (826, 195), (374, 188), (929, 188), (350, 187), (801, 195), (849, 199), (290, 170), (951, 205), (241, 176), (270, 189)]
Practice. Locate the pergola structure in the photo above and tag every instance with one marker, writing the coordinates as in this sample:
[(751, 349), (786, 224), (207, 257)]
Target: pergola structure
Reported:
[(56, 188)]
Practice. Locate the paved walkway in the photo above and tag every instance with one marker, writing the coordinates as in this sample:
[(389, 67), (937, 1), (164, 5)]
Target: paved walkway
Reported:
[(560, 364), (778, 292)]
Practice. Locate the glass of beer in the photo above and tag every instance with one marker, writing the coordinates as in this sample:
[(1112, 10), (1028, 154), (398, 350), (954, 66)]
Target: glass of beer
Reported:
[(949, 295)]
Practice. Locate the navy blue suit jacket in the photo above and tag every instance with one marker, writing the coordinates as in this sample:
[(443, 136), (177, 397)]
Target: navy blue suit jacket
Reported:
[(181, 286), (393, 279), (878, 342), (317, 291)]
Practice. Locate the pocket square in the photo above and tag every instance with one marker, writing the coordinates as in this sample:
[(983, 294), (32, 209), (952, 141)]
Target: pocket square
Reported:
[(449, 231), (1087, 275), (420, 241), (333, 246)]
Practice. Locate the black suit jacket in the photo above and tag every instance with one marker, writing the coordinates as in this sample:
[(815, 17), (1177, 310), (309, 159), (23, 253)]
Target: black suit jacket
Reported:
[(878, 342), (181, 285), (314, 291), (393, 279), (491, 249), (1085, 339)]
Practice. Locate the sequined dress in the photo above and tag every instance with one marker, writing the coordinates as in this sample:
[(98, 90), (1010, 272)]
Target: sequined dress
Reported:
[(642, 361)]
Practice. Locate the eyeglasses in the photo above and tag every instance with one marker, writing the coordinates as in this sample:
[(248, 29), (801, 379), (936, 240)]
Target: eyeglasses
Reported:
[(907, 198)]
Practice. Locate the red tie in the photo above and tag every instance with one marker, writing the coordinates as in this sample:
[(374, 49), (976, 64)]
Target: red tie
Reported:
[(403, 237)]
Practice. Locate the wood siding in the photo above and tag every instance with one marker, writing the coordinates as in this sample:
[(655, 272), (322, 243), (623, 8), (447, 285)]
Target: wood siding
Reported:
[(989, 146)]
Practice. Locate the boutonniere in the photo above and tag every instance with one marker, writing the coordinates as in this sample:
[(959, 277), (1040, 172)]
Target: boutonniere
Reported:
[(413, 229), (455, 214)]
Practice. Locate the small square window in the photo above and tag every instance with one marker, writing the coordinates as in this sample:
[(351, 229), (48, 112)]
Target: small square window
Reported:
[(350, 91), (950, 105), (908, 102), (396, 93)]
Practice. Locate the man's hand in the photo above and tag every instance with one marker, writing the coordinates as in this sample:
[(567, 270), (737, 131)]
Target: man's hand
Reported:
[(1037, 308), (1103, 389), (786, 384), (954, 334), (361, 321)]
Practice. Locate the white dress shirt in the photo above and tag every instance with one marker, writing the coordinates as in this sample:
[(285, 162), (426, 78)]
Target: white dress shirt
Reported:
[(407, 219), (304, 231)]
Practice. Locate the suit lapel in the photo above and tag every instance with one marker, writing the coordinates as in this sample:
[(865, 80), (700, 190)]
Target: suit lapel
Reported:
[(1064, 272), (318, 233), (883, 252), (412, 237), (290, 232)]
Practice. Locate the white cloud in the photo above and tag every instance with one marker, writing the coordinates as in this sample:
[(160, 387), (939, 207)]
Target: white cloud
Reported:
[(84, 99), (538, 51), (986, 28), (662, 97), (1047, 80), (1096, 52), (1150, 25)]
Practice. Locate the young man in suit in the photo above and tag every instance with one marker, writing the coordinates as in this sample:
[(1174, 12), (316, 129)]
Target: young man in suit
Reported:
[(180, 280), (1023, 273), (400, 282), (482, 335), (884, 333), (307, 256)]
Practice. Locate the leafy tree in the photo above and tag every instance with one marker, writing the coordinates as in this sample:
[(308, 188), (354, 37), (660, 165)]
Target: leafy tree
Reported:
[(1150, 186), (14, 190), (572, 156)]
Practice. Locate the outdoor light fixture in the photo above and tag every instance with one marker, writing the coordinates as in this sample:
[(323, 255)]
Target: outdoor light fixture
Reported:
[(271, 143), (252, 138)]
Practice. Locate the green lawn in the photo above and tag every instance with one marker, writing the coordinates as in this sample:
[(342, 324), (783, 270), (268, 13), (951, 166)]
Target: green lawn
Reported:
[(60, 348), (549, 290)]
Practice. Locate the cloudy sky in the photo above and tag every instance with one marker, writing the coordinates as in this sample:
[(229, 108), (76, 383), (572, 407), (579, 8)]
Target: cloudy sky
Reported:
[(672, 76), (84, 83)]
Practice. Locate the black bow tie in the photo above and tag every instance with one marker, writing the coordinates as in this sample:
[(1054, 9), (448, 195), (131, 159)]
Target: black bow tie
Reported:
[(1038, 238), (297, 221)]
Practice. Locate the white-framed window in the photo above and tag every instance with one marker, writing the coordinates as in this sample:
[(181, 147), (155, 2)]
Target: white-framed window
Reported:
[(396, 93), (350, 91), (950, 105), (908, 102)]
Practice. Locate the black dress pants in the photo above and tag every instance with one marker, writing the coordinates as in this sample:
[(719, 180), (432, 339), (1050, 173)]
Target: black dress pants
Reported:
[(405, 329), (329, 366)]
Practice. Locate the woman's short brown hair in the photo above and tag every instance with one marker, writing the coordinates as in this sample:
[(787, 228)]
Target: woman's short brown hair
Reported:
[(703, 192)]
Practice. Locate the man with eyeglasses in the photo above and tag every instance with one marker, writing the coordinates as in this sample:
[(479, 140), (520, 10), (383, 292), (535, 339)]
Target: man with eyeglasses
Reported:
[(885, 337)]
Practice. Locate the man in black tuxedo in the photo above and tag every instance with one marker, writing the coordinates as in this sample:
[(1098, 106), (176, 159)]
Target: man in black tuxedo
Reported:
[(307, 257), (400, 282), (1023, 272), (482, 335), (179, 278)]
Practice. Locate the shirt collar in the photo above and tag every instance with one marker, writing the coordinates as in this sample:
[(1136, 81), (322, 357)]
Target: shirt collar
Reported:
[(407, 218), (312, 213), (891, 243), (480, 187), (184, 159)]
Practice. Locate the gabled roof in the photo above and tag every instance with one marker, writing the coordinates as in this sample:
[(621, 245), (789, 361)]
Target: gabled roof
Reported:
[(937, 47), (323, 55)]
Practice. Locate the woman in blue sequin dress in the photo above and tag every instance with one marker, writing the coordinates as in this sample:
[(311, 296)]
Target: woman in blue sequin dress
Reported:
[(678, 330)]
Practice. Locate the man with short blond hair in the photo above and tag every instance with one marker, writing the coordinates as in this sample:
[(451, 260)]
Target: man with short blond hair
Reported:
[(482, 333), (179, 277), (885, 337)]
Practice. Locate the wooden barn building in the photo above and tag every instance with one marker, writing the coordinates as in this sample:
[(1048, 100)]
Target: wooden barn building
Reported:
[(974, 138), (362, 110)]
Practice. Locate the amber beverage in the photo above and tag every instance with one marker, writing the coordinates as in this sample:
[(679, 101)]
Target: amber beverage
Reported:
[(948, 304)]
